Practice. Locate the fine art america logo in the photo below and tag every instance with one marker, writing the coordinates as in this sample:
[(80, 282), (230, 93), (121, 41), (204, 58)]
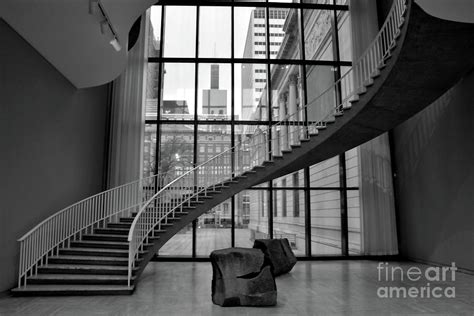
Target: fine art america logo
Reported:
[(429, 282)]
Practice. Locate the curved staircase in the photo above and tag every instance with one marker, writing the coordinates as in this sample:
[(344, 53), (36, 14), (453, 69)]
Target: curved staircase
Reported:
[(414, 59)]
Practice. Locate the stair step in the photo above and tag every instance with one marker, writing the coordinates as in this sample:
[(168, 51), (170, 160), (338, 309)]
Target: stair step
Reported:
[(112, 231), (103, 244), (375, 74), (84, 269), (240, 177), (100, 252), (106, 237), (397, 34), (120, 225), (258, 167), (79, 279), (362, 90), (319, 127), (304, 140), (205, 197), (347, 105), (295, 146), (286, 151), (277, 157), (249, 172), (369, 83), (62, 290), (90, 260), (268, 162)]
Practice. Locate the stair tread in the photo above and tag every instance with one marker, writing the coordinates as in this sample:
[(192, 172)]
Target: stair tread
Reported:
[(84, 267), (97, 249), (106, 242), (89, 258), (72, 287), (65, 276), (105, 235)]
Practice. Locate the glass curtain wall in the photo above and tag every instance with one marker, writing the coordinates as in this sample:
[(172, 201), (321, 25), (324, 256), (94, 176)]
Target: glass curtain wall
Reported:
[(216, 74)]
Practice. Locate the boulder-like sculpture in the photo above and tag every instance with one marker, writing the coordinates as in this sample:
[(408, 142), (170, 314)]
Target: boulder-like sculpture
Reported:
[(278, 254), (241, 279)]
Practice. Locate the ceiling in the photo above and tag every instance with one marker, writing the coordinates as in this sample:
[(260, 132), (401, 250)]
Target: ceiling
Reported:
[(70, 38)]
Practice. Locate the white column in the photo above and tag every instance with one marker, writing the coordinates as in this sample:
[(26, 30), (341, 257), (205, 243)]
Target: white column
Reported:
[(292, 108), (301, 116), (283, 128)]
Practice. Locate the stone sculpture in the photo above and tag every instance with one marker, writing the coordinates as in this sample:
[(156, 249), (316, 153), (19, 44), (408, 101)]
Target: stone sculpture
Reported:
[(278, 254), (240, 278)]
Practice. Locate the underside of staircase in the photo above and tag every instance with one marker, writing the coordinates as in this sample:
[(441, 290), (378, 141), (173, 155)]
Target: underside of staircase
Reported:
[(429, 57)]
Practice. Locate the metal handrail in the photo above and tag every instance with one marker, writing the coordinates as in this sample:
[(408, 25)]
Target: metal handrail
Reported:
[(70, 223), (181, 192)]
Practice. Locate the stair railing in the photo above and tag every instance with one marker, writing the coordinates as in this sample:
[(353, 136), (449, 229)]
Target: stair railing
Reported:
[(70, 223), (203, 180)]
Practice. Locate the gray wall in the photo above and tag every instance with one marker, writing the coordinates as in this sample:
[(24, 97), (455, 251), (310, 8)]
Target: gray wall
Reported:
[(434, 154), (52, 140)]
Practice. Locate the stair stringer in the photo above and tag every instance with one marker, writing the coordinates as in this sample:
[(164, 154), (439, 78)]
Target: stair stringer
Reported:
[(389, 100)]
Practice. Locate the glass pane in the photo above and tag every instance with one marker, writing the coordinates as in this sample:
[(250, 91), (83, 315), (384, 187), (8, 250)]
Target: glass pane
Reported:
[(292, 180), (154, 31), (176, 149), (214, 140), (344, 35), (321, 96), (151, 102), (353, 221), (325, 222), (252, 147), (214, 32), (180, 244), (149, 150), (325, 174), (214, 92), (352, 168), (250, 97), (285, 35), (287, 102), (180, 32), (249, 33), (251, 217), (214, 229), (318, 26), (178, 92), (289, 219)]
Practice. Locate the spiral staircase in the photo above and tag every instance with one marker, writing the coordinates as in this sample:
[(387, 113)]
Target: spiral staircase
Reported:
[(102, 244)]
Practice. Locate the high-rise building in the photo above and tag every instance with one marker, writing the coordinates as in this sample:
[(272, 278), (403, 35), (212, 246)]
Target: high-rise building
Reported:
[(214, 100), (254, 76)]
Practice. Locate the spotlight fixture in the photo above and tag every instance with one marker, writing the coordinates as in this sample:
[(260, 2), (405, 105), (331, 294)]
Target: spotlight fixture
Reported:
[(106, 27), (115, 43)]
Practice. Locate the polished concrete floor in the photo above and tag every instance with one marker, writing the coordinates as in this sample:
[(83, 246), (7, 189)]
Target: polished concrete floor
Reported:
[(312, 288)]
